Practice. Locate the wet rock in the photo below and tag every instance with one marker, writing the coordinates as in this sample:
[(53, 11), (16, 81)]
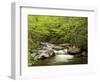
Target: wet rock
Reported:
[(74, 50), (44, 54), (51, 53), (65, 45), (57, 48), (47, 45)]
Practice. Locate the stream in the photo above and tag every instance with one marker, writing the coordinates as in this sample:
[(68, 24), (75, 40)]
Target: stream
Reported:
[(61, 58)]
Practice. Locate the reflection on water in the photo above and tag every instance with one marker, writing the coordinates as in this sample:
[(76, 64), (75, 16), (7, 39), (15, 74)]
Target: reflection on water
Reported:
[(62, 60)]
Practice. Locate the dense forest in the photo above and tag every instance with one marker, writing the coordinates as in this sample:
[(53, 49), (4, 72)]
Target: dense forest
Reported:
[(56, 30)]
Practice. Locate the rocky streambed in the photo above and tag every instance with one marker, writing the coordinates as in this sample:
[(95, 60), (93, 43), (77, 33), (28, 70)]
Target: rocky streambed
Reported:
[(63, 54)]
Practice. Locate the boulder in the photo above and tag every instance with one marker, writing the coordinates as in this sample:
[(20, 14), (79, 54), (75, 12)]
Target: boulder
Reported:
[(57, 48), (44, 54), (74, 50), (65, 45), (51, 53)]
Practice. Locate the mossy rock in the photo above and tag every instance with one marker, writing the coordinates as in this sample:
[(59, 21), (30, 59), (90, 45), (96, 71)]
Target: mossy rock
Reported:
[(72, 50)]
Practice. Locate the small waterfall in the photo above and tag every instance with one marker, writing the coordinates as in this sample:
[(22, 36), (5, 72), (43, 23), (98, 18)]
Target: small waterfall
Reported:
[(49, 46), (61, 54)]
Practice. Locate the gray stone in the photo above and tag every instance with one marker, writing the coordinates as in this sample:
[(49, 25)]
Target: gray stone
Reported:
[(57, 48), (65, 45), (74, 50), (44, 54)]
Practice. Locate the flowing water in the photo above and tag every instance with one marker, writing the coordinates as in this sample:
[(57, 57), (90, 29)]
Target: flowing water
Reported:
[(61, 58)]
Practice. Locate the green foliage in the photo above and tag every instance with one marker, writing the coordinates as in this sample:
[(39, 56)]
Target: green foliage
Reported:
[(29, 59), (57, 30)]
